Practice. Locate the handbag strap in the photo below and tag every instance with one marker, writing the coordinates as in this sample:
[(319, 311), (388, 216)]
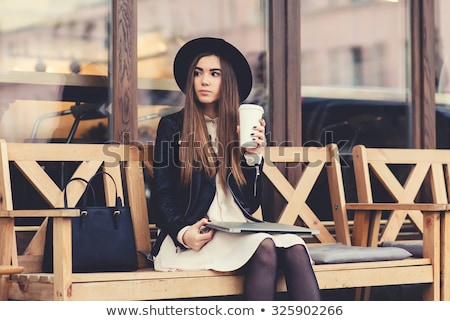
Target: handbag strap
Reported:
[(89, 184)]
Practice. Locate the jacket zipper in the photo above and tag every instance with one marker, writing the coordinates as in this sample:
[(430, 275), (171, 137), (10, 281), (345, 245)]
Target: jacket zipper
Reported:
[(256, 179)]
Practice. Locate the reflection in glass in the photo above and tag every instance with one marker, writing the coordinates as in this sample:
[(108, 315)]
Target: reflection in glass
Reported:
[(354, 75), (442, 60), (54, 70)]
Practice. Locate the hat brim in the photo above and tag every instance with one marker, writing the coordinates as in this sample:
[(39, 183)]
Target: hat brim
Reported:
[(189, 51)]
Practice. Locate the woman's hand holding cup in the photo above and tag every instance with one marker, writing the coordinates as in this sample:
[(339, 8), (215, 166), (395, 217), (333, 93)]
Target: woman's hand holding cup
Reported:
[(251, 128)]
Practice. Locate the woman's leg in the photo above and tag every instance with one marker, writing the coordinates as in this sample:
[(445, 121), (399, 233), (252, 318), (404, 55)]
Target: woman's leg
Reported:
[(261, 273), (301, 280)]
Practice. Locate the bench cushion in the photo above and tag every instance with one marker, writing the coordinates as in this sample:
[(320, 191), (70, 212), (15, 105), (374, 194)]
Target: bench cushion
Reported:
[(340, 253), (416, 247)]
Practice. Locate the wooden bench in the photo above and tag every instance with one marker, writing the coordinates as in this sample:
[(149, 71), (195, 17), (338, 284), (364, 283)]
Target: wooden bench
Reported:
[(359, 274), (147, 284), (407, 175)]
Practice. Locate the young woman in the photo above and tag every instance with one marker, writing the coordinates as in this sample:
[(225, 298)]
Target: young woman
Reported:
[(201, 173)]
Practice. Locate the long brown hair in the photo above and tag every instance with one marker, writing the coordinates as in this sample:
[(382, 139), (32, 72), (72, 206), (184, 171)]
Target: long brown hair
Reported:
[(196, 151)]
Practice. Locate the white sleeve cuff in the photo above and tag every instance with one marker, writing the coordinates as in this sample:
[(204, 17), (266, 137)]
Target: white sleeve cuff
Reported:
[(180, 236), (253, 159)]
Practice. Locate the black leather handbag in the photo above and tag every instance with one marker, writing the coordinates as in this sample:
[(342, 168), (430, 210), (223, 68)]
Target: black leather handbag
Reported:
[(102, 236)]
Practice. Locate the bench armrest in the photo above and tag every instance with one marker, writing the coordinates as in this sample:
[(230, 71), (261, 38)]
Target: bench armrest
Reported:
[(52, 212), (424, 207), (10, 269)]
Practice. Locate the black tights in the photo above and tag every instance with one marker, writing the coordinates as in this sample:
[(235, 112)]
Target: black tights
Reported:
[(261, 273)]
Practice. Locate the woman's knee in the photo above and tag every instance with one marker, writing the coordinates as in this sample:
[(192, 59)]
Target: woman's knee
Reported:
[(301, 250), (297, 253), (266, 253)]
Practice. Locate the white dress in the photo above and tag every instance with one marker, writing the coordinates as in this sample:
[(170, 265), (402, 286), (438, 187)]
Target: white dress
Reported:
[(226, 251)]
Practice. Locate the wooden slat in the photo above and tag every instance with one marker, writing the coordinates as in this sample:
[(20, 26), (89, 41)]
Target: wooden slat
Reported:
[(6, 202), (445, 256), (138, 207), (11, 269), (398, 155), (153, 285), (62, 258), (445, 242), (432, 249), (375, 277), (151, 274), (53, 212), (109, 153), (425, 207), (7, 253), (337, 196)]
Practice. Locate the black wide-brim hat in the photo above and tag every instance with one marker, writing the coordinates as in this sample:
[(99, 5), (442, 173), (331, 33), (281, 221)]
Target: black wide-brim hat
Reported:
[(189, 51)]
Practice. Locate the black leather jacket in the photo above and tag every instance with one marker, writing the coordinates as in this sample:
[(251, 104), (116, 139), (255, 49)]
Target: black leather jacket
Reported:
[(175, 206)]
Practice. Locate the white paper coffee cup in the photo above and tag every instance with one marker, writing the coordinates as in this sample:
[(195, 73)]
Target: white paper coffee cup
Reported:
[(249, 116)]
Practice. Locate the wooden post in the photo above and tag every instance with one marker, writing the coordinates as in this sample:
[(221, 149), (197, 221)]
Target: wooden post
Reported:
[(124, 71), (423, 87)]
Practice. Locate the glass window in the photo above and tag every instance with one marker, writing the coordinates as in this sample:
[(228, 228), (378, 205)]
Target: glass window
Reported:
[(54, 70), (164, 26), (442, 60), (354, 79)]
